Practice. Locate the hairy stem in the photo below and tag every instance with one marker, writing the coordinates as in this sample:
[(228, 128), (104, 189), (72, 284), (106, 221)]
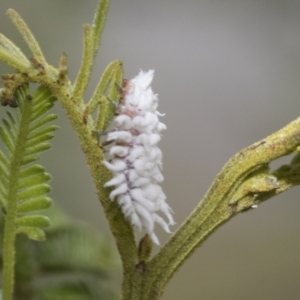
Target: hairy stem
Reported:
[(10, 227), (120, 228), (216, 207)]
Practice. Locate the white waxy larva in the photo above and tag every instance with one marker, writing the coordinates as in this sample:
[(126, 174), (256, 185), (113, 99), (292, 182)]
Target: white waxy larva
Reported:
[(123, 136), (136, 152), (136, 159), (119, 151), (123, 121), (116, 166), (117, 180)]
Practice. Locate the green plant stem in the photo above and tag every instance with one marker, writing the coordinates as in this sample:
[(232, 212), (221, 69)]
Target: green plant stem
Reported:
[(120, 228), (216, 207), (10, 227), (9, 252)]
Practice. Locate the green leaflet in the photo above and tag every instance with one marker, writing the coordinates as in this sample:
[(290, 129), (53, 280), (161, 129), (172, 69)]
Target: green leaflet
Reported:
[(108, 84), (31, 170), (26, 132), (33, 221), (112, 80), (41, 132), (33, 192), (34, 179), (29, 159), (33, 233), (34, 204), (7, 140), (38, 124)]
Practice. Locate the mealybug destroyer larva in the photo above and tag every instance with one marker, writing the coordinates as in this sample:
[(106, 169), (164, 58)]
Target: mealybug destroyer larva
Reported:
[(136, 159)]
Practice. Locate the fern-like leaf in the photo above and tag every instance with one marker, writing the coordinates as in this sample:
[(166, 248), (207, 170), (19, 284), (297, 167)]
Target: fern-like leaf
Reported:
[(24, 187), (75, 262)]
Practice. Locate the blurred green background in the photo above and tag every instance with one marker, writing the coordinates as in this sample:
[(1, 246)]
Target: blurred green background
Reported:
[(227, 75)]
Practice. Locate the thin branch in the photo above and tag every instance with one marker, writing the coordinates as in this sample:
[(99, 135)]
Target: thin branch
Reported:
[(86, 64), (216, 207), (27, 35)]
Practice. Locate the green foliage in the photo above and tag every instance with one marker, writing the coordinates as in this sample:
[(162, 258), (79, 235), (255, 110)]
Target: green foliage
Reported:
[(73, 263), (26, 134), (80, 257), (24, 185)]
